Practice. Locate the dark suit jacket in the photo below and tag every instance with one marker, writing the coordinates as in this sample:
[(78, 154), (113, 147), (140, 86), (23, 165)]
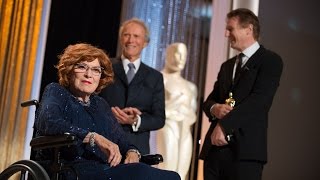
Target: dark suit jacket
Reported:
[(253, 91), (145, 92)]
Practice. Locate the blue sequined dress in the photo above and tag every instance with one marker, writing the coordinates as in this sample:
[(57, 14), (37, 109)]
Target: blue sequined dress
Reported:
[(61, 112)]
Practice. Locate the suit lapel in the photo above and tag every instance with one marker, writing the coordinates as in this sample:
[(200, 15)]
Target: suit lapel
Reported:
[(249, 65), (134, 89), (136, 86), (119, 71), (253, 60), (227, 75), (140, 75), (248, 74)]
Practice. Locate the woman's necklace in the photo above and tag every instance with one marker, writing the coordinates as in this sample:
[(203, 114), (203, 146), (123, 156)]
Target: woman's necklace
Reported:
[(83, 103)]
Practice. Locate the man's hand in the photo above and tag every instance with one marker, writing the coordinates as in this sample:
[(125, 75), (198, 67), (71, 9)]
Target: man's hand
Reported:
[(220, 110), (217, 137), (126, 115)]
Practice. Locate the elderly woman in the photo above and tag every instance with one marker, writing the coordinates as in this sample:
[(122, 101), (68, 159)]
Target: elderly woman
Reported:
[(73, 106)]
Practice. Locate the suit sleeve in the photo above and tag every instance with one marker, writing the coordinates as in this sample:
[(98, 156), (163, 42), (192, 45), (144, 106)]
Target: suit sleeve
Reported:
[(154, 118), (213, 96)]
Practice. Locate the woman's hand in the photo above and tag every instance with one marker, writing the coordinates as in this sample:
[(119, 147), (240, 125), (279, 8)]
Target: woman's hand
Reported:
[(131, 157), (109, 148)]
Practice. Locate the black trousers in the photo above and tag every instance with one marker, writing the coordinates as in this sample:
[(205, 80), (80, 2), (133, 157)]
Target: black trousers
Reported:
[(221, 164)]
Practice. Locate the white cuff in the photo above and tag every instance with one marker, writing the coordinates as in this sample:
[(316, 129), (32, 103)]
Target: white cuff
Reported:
[(213, 116), (135, 127)]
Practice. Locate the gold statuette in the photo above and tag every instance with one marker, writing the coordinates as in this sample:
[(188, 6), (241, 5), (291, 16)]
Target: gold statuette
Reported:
[(230, 101)]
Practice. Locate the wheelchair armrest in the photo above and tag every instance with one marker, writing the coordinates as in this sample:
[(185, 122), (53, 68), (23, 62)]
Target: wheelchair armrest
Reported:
[(151, 159), (56, 141), (44, 142)]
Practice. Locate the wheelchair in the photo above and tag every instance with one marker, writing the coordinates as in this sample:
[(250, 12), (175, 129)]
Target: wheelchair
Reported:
[(34, 170)]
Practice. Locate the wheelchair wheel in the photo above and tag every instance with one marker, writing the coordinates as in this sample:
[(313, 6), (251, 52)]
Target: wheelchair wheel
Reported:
[(28, 169)]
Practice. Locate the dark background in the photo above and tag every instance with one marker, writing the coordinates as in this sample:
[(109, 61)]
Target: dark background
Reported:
[(291, 28), (90, 21)]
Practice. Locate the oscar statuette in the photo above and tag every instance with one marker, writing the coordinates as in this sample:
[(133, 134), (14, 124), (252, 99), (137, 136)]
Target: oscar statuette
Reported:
[(230, 101)]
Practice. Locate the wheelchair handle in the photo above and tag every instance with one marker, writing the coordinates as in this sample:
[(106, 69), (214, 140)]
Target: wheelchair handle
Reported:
[(30, 103)]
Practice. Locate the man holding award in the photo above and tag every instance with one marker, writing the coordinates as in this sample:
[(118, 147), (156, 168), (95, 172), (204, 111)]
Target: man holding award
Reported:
[(235, 147)]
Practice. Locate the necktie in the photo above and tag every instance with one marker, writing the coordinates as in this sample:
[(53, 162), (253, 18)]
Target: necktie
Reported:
[(238, 69), (130, 73)]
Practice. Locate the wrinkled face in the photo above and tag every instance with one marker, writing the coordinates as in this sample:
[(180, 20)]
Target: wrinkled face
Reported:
[(85, 78), (238, 36), (133, 41), (176, 58)]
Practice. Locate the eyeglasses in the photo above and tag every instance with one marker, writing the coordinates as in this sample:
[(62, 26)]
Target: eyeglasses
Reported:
[(81, 68)]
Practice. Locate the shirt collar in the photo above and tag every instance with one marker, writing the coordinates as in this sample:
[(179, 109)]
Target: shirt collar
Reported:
[(126, 61), (251, 50)]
